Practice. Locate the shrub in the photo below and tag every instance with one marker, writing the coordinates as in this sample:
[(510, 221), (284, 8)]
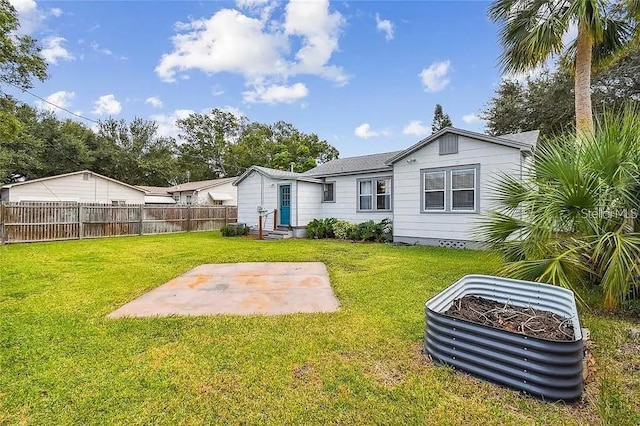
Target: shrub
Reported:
[(574, 218), (372, 231), (321, 228), (234, 230), (342, 229)]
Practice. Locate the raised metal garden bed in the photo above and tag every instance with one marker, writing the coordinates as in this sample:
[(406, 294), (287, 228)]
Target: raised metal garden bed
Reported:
[(551, 370)]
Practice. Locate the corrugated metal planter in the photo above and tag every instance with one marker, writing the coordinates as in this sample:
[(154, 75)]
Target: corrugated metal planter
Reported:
[(551, 370)]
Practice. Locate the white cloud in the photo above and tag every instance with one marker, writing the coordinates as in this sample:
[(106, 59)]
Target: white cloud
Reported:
[(276, 93), (471, 118), (436, 76), (107, 105), (53, 50), (227, 42), (154, 101), (416, 128), (259, 49), (96, 48), (60, 98), (364, 131), (233, 110), (30, 15), (56, 12), (167, 122), (385, 26), (320, 30)]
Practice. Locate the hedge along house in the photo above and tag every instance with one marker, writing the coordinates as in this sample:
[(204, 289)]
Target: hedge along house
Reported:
[(434, 191)]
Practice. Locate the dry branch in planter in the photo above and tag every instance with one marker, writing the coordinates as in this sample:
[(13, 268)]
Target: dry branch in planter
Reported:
[(528, 321)]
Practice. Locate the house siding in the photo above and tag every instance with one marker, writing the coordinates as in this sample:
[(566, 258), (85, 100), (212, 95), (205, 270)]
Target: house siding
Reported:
[(411, 223), (202, 196), (75, 189), (345, 206), (309, 196), (257, 190)]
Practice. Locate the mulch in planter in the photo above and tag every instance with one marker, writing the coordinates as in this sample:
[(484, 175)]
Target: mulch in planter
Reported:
[(528, 321)]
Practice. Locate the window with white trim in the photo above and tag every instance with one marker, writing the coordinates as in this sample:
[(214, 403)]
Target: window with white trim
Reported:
[(463, 189), (329, 192), (435, 190), (450, 189), (374, 194)]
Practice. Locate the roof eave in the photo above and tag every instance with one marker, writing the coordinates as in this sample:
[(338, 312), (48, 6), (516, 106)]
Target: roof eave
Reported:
[(355, 172)]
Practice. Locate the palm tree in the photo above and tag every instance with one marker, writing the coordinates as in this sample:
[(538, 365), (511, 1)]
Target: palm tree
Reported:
[(533, 30), (575, 216)]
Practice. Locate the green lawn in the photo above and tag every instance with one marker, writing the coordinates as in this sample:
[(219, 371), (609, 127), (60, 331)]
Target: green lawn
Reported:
[(63, 362)]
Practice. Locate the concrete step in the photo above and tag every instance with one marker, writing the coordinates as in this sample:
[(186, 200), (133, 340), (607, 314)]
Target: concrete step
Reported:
[(277, 235)]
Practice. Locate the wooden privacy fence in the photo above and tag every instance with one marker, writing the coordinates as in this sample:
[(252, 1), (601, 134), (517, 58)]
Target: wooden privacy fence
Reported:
[(21, 223)]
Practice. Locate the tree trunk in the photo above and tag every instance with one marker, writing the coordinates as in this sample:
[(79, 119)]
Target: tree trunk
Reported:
[(584, 112)]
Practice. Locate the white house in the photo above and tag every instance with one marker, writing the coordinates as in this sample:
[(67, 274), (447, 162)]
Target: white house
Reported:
[(434, 191), (219, 192), (84, 186)]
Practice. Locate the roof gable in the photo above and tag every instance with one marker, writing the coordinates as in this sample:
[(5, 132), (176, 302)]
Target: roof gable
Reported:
[(522, 141), (26, 182), (275, 174)]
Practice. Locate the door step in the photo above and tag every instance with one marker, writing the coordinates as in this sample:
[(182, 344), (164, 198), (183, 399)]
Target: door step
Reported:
[(277, 235)]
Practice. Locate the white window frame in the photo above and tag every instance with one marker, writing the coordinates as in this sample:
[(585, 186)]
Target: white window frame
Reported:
[(443, 190), (448, 193), (474, 188), (374, 194), (333, 192)]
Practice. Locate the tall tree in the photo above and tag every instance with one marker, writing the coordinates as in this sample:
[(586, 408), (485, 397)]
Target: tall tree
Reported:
[(546, 103), (533, 30), (207, 138), (440, 119), (20, 59), (142, 156)]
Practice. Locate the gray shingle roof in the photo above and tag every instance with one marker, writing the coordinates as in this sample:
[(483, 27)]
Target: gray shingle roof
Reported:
[(194, 186), (347, 165), (278, 174), (529, 138), (154, 190)]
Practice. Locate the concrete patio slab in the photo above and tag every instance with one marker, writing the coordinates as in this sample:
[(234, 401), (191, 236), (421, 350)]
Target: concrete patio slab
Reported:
[(239, 289)]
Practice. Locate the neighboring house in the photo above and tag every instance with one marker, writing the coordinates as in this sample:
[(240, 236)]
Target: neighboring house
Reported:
[(84, 186), (219, 192), (434, 191), (156, 195)]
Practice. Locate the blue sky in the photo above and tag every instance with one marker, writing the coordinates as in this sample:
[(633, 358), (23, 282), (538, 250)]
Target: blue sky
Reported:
[(365, 76)]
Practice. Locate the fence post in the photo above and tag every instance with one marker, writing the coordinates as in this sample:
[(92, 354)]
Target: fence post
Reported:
[(2, 220), (188, 218), (80, 225), (141, 218), (226, 215), (275, 219)]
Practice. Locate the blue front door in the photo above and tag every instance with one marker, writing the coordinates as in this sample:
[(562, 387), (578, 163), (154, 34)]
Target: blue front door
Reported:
[(285, 205)]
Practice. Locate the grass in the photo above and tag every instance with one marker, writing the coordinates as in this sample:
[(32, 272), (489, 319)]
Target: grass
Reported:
[(63, 362)]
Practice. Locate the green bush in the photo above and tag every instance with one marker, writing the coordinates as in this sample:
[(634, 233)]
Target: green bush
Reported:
[(234, 231), (321, 228), (372, 231), (342, 229), (574, 217)]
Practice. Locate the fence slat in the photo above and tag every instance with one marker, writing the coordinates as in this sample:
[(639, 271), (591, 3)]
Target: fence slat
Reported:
[(51, 221)]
